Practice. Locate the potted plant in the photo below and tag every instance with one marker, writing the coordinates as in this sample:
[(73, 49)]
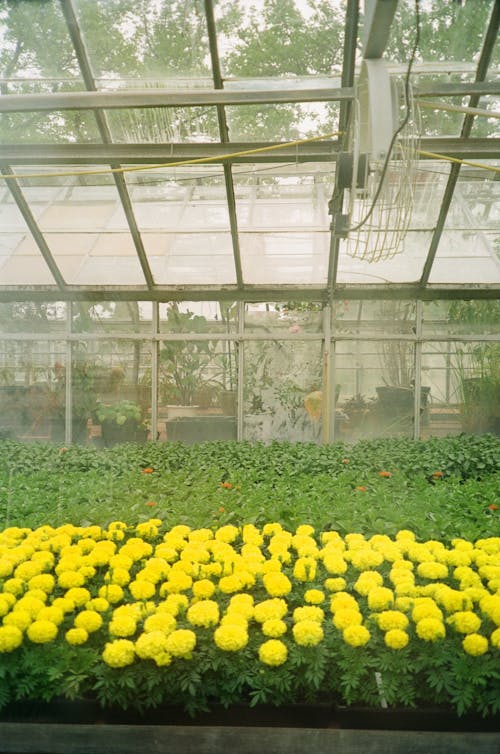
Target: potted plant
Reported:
[(121, 422)]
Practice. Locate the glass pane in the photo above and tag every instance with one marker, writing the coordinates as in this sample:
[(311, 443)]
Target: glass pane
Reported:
[(461, 317), (375, 390), (466, 256), (160, 125), (280, 39), (294, 317), (28, 386), (112, 380), (438, 371), (379, 317), (293, 258), (282, 122), (405, 267), (60, 127), (145, 42), (197, 391), (282, 390), (119, 317), (199, 317)]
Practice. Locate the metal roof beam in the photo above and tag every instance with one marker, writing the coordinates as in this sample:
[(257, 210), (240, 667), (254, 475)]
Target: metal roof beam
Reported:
[(162, 154), (224, 135), (112, 100)]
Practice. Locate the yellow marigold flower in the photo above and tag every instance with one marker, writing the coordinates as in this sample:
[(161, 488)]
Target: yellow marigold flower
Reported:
[(432, 570), (76, 636), (14, 586), (347, 617), (389, 620), (69, 579), (231, 637), (11, 637), (342, 600), (44, 581), (269, 529), (235, 618), (203, 589), (308, 612), (425, 607), (465, 622), (314, 596), (304, 569), (380, 598), (274, 628), (119, 653), (27, 570), (113, 593), (120, 576), (54, 614), (475, 644), (230, 584), (97, 603), (123, 625), (90, 620), (19, 618), (243, 603), (495, 638), (356, 636), (273, 652), (178, 581), (307, 633), (181, 642), (42, 631), (396, 638), (204, 613), (366, 558), (368, 580), (173, 604), (141, 590), (160, 622), (405, 535), (332, 537), (273, 565), (32, 605), (79, 596), (335, 585), (430, 629), (5, 604), (305, 530), (251, 535), (277, 584), (6, 568), (273, 608), (150, 645), (334, 563), (227, 533)]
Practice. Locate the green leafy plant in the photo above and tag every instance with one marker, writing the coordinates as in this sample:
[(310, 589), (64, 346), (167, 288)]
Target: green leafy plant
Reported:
[(119, 412)]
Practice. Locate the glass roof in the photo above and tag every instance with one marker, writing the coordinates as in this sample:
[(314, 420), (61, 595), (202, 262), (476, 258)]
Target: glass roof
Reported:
[(167, 149)]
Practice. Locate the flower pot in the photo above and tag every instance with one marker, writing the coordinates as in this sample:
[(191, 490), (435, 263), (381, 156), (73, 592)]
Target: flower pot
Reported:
[(129, 431)]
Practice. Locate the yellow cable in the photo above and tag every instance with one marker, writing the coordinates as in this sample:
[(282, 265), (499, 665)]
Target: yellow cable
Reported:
[(195, 161), (493, 168)]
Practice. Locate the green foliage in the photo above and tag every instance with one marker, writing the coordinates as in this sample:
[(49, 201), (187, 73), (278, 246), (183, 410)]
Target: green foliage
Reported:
[(119, 412)]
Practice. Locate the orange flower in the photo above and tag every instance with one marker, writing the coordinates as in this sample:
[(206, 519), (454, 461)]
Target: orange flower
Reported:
[(437, 474), (226, 485), (149, 470), (385, 474), (151, 504), (361, 488), (345, 460), (63, 450), (493, 507)]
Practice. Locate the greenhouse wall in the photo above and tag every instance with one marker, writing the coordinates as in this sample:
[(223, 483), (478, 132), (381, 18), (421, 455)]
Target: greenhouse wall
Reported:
[(110, 372)]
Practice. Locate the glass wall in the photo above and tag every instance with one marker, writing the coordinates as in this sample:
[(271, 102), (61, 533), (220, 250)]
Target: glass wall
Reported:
[(107, 372)]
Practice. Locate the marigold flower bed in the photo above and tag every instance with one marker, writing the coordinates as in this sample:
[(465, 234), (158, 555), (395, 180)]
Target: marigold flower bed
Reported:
[(139, 616)]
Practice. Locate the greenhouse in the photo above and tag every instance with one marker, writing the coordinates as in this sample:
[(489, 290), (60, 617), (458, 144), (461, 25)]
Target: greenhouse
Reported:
[(249, 284), (180, 228)]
